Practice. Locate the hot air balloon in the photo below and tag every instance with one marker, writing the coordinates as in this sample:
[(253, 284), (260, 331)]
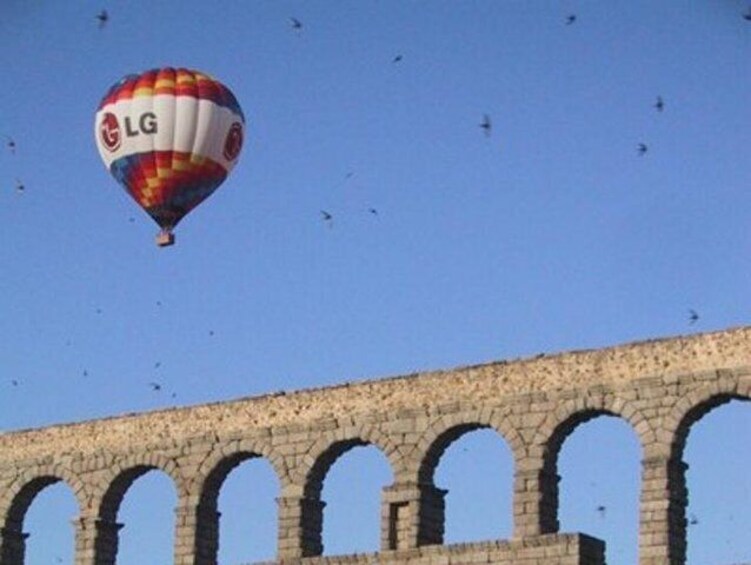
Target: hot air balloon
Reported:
[(170, 137)]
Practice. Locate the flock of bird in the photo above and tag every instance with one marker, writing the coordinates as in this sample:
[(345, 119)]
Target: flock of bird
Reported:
[(297, 26), (486, 125), (10, 143)]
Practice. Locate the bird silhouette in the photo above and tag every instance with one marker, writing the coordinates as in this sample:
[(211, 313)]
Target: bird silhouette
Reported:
[(642, 149), (296, 24), (11, 144), (397, 58), (211, 332), (20, 187), (155, 386), (693, 520), (693, 316), (660, 104), (373, 211), (14, 382), (157, 364), (570, 19), (747, 15), (328, 218), (601, 510), (103, 18), (486, 125)]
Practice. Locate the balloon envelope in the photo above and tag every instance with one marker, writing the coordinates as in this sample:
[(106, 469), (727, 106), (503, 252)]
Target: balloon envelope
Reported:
[(170, 137)]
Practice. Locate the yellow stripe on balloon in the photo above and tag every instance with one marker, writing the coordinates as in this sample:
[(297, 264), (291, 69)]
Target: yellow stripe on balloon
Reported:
[(143, 91)]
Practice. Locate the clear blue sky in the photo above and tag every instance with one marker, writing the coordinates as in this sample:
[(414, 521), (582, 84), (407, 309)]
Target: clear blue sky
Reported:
[(550, 234)]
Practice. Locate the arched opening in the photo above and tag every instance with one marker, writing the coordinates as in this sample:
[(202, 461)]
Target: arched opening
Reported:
[(145, 508), (351, 493), (718, 517), (248, 509), (599, 464), (45, 510), (477, 471)]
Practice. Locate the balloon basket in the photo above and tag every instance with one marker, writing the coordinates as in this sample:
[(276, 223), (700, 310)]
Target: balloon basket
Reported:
[(165, 239)]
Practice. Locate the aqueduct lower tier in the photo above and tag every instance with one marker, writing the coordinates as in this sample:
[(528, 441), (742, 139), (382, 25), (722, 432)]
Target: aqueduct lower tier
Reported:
[(660, 387)]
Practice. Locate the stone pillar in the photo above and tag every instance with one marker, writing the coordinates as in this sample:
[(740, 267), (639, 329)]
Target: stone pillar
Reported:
[(300, 526), (96, 541), (85, 537), (662, 512), (535, 500), (196, 534), (412, 515), (12, 545)]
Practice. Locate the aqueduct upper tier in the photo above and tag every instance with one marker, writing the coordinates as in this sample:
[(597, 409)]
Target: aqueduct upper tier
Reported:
[(659, 387)]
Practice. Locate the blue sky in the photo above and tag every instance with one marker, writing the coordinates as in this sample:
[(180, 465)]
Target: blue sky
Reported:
[(551, 234)]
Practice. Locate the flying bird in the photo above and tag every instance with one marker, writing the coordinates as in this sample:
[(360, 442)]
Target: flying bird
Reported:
[(11, 144), (373, 211), (486, 125), (296, 24), (570, 19), (601, 510), (693, 520), (103, 18), (211, 332), (328, 218), (157, 364), (642, 149), (747, 15), (20, 187), (155, 386), (397, 58), (14, 382), (660, 104), (693, 317)]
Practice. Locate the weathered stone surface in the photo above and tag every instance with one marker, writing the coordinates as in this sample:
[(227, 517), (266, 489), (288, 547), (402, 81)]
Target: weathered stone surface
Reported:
[(659, 387)]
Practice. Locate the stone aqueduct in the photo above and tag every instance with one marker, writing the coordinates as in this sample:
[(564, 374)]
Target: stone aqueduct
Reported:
[(659, 387)]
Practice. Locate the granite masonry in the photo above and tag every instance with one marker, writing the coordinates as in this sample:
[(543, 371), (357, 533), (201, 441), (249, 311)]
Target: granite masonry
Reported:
[(659, 387)]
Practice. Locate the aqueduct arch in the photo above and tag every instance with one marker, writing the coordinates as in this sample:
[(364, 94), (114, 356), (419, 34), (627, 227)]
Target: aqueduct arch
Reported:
[(659, 387)]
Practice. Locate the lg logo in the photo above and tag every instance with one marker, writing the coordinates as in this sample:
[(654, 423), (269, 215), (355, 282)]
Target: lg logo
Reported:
[(111, 133)]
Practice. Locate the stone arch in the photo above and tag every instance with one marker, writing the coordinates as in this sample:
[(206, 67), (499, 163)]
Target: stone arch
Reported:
[(444, 431), (205, 485), (314, 468), (21, 493), (123, 473), (570, 414), (224, 458), (688, 410), (18, 498), (335, 443), (559, 425), (693, 407), (440, 433)]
